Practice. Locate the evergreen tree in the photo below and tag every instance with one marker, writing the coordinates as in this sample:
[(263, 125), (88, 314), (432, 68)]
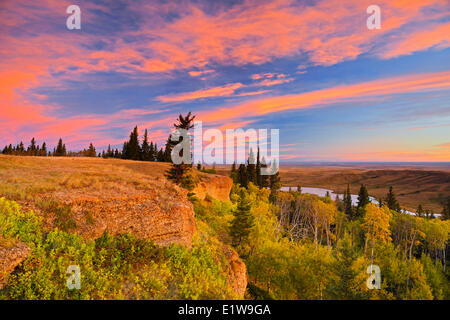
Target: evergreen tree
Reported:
[(258, 170), (109, 152), (32, 148), (342, 286), (446, 211), (243, 221), (44, 149), (363, 200), (348, 207), (251, 168), (234, 173), (391, 200), (155, 152), (167, 156), (133, 147), (91, 151), (125, 150), (419, 211), (160, 156), (60, 149), (145, 150), (264, 178), (151, 151), (182, 173), (275, 182), (242, 175)]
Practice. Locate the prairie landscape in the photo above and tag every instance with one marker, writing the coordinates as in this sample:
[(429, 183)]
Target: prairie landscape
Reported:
[(414, 184), (121, 130)]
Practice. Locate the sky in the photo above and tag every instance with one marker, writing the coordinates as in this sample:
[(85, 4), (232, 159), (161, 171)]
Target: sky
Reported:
[(336, 90)]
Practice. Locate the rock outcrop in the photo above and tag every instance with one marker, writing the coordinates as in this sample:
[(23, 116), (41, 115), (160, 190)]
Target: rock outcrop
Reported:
[(237, 272), (214, 185), (10, 257), (162, 218)]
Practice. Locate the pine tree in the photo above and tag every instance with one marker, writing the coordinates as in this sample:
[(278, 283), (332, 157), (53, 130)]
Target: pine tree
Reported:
[(264, 178), (91, 151), (446, 211), (60, 149), (32, 148), (44, 149), (363, 200), (242, 175), (145, 150), (234, 173), (391, 200), (151, 151), (419, 211), (133, 147), (251, 168), (125, 150), (348, 207), (258, 170), (275, 182), (167, 156), (182, 173), (160, 155), (243, 221), (109, 152)]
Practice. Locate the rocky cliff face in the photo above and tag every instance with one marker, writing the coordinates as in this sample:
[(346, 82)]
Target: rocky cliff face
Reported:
[(11, 255), (216, 186), (163, 218), (237, 272), (92, 196)]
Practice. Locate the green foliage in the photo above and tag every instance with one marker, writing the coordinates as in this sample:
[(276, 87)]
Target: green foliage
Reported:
[(243, 221), (112, 267)]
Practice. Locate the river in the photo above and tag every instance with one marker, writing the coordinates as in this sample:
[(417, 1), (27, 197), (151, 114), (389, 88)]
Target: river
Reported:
[(321, 192)]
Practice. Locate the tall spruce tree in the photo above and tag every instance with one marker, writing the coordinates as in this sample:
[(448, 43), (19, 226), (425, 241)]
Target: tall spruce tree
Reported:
[(242, 175), (133, 151), (391, 200), (446, 210), (234, 173), (182, 173), (60, 149), (348, 207), (145, 150), (258, 169), (91, 151), (264, 178), (251, 168), (275, 181), (363, 200), (243, 221), (419, 211)]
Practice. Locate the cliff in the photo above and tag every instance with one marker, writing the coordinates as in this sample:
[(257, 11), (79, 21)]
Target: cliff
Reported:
[(237, 272), (214, 185), (164, 220), (89, 197)]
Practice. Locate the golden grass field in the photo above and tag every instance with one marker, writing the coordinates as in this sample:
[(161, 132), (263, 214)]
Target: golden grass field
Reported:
[(26, 179)]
